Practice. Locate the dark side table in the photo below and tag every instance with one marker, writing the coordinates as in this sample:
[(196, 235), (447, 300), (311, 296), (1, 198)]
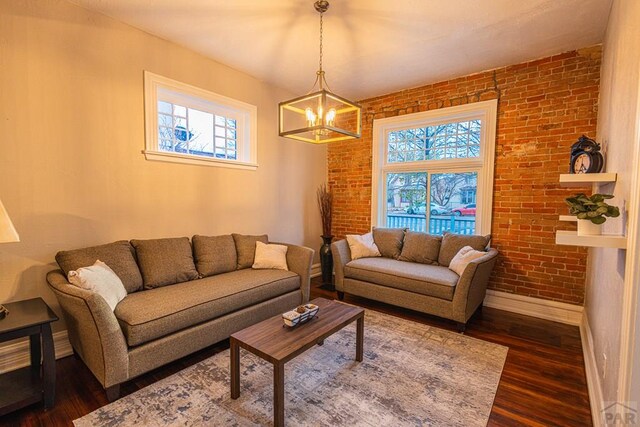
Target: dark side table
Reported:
[(29, 385)]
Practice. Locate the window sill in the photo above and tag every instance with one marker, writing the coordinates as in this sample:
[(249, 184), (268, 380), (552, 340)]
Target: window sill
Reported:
[(162, 156)]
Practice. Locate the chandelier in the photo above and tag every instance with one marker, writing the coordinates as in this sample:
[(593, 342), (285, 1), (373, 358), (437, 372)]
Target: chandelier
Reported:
[(320, 116)]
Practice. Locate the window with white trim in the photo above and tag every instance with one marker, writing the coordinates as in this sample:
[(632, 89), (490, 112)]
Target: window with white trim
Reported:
[(186, 124), (433, 171)]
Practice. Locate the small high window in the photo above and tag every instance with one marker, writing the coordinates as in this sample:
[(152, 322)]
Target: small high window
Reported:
[(185, 124)]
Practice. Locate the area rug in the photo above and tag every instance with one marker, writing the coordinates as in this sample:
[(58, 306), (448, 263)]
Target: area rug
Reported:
[(412, 375)]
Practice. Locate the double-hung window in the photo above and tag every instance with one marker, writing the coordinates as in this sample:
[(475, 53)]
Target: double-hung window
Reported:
[(186, 124), (433, 171)]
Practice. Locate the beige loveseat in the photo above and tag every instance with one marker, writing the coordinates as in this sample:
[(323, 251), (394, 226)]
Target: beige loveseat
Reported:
[(181, 298), (413, 273)]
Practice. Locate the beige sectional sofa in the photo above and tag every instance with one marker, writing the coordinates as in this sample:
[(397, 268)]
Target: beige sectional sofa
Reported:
[(181, 298), (413, 273)]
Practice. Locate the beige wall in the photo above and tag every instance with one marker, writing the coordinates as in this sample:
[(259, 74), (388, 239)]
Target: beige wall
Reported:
[(72, 130), (618, 129)]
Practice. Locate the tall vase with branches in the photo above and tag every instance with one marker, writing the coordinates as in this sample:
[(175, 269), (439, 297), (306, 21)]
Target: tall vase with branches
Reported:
[(325, 205)]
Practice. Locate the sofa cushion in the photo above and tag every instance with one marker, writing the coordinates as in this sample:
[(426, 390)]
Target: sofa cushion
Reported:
[(362, 246), (389, 241), (119, 256), (463, 258), (270, 256), (165, 261), (432, 280), (100, 279), (148, 315), (246, 248), (214, 254), (452, 243), (420, 247)]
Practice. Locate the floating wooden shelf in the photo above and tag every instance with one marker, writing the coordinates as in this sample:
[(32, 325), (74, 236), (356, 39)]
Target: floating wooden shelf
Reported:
[(570, 218), (586, 179), (571, 238)]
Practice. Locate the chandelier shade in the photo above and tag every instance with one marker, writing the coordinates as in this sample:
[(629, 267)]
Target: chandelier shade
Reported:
[(320, 116)]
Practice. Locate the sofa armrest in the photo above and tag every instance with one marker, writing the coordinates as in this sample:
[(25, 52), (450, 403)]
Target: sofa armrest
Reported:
[(472, 285), (299, 260), (94, 331), (341, 256)]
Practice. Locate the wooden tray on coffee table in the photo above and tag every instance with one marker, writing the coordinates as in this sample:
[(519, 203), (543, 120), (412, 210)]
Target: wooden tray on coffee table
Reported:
[(275, 344)]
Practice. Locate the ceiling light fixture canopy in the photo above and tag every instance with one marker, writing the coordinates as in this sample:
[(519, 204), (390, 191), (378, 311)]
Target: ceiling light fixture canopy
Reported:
[(320, 116)]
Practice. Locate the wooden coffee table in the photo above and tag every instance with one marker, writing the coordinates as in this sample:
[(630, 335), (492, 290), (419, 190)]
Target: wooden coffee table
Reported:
[(277, 344)]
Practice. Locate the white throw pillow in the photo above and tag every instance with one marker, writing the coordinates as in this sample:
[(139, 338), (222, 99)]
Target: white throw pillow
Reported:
[(101, 279), (362, 246), (270, 256), (463, 258)]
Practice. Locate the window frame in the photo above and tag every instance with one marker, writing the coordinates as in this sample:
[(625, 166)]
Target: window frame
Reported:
[(483, 164), (157, 88)]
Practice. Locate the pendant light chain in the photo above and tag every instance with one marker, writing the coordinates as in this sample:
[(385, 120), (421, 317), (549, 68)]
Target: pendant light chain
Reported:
[(322, 82), (321, 14)]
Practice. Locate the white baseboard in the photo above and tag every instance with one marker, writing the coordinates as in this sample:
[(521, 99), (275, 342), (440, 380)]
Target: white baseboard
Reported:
[(16, 355), (593, 379), (544, 309), (315, 270)]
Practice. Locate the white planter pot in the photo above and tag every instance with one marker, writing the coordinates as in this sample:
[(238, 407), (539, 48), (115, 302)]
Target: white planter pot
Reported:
[(588, 228)]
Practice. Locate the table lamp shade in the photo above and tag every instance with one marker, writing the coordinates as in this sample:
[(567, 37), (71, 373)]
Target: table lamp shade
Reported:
[(7, 231)]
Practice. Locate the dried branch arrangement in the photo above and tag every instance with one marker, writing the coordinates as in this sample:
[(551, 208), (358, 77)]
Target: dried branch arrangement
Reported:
[(325, 204)]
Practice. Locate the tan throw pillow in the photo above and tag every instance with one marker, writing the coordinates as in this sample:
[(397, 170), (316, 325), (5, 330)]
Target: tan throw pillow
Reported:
[(463, 258), (452, 243), (165, 261), (102, 280), (270, 256), (214, 254), (419, 247), (246, 248), (362, 246), (119, 256), (389, 241)]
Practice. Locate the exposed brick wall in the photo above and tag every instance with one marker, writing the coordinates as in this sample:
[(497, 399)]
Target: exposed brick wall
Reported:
[(544, 106)]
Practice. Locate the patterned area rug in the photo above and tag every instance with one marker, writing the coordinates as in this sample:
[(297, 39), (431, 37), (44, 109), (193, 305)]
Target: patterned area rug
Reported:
[(412, 375)]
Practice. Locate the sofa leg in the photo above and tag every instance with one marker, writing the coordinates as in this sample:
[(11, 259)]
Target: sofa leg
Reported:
[(340, 295), (461, 327), (113, 392)]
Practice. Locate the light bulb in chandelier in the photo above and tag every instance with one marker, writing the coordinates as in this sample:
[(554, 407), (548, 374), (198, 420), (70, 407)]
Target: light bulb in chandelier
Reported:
[(311, 117), (330, 118)]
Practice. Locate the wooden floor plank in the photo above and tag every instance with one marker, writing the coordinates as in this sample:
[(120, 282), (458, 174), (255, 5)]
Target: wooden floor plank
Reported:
[(543, 382)]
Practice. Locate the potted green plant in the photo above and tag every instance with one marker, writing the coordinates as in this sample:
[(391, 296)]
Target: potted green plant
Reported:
[(591, 211)]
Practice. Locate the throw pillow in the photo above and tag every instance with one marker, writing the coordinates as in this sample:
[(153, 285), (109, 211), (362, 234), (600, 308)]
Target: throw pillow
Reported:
[(362, 246), (452, 243), (165, 261), (246, 248), (463, 258), (419, 247), (270, 256), (214, 254), (120, 256), (389, 241), (102, 280)]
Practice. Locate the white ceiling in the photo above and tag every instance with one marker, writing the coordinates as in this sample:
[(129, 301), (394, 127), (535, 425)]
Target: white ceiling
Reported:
[(371, 47)]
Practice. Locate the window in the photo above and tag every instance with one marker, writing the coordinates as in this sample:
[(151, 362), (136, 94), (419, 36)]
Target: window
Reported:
[(185, 124), (433, 171)]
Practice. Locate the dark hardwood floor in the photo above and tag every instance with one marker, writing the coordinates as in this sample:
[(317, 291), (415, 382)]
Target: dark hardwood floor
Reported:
[(543, 382)]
